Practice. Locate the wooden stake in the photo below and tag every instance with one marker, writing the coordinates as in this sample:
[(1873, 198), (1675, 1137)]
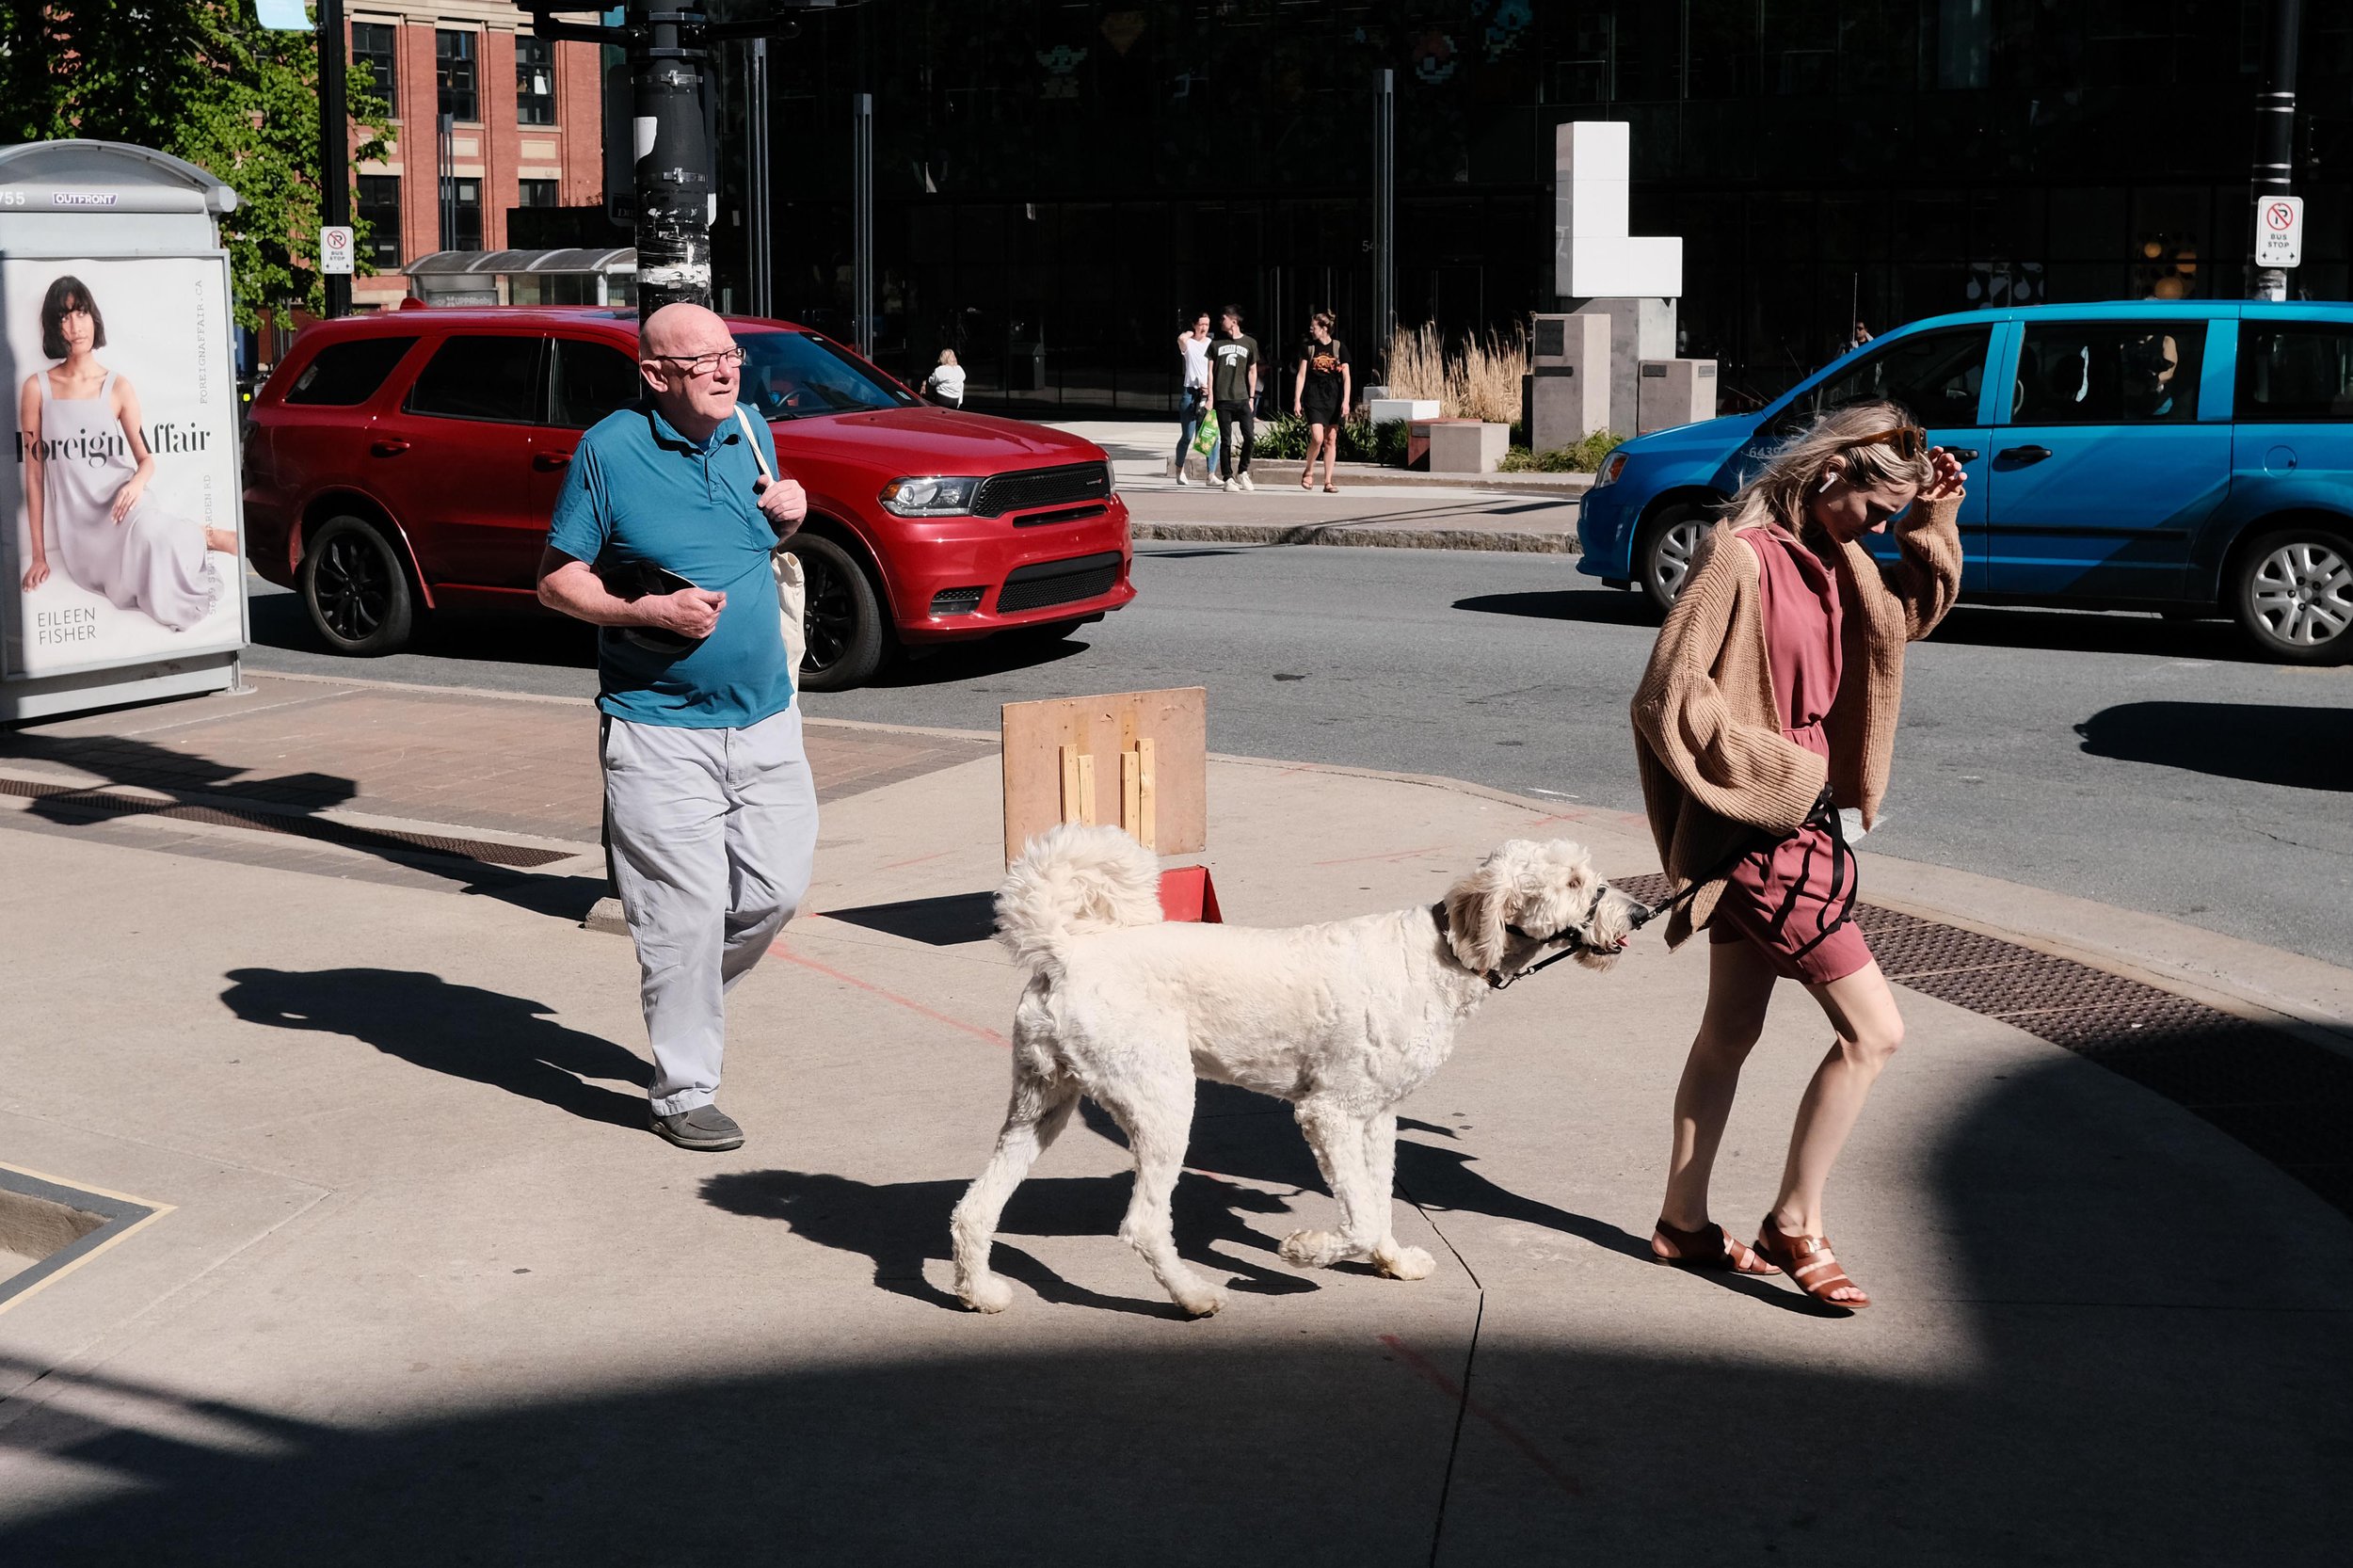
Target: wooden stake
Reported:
[(1131, 794), (1071, 784), (1147, 829), (1086, 788)]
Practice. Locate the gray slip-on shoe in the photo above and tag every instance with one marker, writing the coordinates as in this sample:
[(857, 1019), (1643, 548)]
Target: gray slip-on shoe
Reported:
[(706, 1127)]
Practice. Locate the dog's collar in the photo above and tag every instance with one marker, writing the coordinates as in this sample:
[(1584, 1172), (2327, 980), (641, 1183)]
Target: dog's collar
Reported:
[(1570, 940)]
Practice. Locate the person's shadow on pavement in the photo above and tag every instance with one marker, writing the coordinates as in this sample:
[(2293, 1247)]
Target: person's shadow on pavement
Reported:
[(487, 1037)]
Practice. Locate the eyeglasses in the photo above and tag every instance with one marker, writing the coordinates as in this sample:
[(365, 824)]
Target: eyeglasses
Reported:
[(702, 364), (1908, 441)]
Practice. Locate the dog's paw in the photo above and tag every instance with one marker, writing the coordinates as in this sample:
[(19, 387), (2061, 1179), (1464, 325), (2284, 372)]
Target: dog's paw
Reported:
[(1205, 1301), (986, 1294), (1404, 1262), (1310, 1249)]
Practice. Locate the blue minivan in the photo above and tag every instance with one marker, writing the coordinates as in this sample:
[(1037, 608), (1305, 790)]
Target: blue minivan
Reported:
[(2189, 457)]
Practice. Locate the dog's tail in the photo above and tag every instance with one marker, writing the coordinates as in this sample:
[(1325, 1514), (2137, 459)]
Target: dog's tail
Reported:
[(1070, 880)]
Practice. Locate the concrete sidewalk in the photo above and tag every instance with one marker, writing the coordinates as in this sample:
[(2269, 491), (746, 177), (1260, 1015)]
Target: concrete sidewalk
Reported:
[(1391, 507), (427, 1289)]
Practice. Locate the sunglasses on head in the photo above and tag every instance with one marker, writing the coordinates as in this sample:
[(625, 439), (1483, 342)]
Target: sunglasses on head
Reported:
[(1908, 441)]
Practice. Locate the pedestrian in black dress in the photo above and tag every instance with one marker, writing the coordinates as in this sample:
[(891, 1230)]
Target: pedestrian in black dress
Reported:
[(1319, 397)]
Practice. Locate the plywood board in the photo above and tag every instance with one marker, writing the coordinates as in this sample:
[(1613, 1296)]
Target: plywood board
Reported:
[(1174, 778)]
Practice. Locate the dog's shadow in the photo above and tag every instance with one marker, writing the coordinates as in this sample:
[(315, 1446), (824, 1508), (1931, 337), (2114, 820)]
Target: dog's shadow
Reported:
[(904, 1225)]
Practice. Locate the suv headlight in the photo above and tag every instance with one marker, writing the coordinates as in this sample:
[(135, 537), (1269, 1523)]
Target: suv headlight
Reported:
[(1611, 467), (928, 497)]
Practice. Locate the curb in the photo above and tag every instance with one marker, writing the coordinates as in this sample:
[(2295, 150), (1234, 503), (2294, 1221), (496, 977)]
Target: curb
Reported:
[(1525, 542), (1562, 486)]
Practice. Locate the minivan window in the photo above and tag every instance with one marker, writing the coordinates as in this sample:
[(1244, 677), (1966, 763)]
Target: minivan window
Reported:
[(592, 380), (481, 377), (2108, 373), (1935, 374), (343, 375), (792, 374), (2296, 371)]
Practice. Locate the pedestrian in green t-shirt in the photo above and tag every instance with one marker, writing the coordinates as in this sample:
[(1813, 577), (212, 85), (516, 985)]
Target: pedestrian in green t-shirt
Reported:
[(1234, 384)]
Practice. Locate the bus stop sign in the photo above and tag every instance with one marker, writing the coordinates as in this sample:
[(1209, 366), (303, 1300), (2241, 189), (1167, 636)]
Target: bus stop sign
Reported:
[(2279, 231)]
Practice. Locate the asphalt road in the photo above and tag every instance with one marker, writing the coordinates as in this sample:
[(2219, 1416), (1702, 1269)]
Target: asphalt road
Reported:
[(2120, 758)]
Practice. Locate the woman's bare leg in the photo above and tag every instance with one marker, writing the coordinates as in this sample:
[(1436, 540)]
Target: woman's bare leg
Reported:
[(1863, 1010), (1740, 987)]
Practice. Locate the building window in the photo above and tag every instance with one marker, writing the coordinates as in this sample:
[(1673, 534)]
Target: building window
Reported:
[(379, 209), (454, 68), (372, 46), (534, 83), (537, 192), (462, 214)]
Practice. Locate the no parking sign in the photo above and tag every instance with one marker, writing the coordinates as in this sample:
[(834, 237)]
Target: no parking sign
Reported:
[(335, 248), (2279, 231)]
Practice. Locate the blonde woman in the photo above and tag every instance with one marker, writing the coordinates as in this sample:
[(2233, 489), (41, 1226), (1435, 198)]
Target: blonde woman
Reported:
[(945, 384), (1769, 706), (87, 469)]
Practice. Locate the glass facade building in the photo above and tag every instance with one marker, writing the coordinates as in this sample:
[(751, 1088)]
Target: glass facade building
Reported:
[(1057, 185)]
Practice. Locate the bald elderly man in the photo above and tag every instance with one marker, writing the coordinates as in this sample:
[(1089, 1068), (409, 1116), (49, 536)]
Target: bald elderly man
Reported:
[(661, 541)]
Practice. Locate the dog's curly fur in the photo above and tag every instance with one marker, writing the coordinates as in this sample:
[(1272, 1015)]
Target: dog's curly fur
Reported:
[(1342, 1019)]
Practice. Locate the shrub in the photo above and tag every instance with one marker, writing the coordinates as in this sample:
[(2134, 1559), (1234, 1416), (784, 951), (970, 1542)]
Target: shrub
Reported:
[(1480, 382), (1284, 436), (1584, 458)]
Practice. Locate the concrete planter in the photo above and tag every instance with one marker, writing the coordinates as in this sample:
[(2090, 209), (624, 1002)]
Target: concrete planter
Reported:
[(1459, 445), (1400, 410)]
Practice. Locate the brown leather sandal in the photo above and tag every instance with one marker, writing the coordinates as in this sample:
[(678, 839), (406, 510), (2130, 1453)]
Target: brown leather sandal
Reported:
[(1710, 1248), (1809, 1264)]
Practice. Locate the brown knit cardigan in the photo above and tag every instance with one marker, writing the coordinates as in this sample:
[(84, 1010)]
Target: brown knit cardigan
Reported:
[(1715, 764)]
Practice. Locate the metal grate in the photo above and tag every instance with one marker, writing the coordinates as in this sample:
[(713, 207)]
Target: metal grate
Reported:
[(1021, 491), (1058, 582), (956, 601), (2285, 1098), (96, 805)]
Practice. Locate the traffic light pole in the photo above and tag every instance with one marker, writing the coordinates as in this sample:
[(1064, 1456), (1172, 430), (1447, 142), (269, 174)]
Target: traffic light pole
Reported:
[(668, 44)]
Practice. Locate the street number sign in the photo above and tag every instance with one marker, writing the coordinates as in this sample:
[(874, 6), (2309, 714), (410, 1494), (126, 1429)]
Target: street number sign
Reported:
[(2279, 231), (335, 248)]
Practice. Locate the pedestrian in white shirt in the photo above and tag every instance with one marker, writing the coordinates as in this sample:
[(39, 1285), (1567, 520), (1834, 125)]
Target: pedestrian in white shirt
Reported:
[(945, 384), (1192, 349)]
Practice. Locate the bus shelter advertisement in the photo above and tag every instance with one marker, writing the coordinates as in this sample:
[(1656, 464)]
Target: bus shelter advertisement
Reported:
[(122, 498)]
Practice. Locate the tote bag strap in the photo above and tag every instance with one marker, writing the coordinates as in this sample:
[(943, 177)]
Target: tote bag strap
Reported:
[(758, 456)]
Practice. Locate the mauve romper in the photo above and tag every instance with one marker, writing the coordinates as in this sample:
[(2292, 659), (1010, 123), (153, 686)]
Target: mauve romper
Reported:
[(1783, 899)]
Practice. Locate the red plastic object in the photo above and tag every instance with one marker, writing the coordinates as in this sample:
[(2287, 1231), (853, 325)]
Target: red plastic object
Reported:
[(1188, 894)]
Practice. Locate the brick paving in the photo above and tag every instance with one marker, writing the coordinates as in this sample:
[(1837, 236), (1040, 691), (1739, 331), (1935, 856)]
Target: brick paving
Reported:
[(488, 763)]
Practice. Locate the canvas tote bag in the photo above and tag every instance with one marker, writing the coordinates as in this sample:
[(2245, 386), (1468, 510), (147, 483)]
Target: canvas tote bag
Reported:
[(791, 583)]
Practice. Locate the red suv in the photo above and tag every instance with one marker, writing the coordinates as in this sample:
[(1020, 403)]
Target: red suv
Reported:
[(398, 462)]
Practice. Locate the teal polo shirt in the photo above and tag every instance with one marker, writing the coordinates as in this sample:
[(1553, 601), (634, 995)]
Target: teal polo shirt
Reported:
[(639, 492)]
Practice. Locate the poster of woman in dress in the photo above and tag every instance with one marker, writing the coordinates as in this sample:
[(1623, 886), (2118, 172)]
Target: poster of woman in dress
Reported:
[(125, 540)]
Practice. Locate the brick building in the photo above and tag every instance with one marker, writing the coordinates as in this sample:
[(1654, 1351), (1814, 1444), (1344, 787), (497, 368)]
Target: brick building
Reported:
[(528, 129)]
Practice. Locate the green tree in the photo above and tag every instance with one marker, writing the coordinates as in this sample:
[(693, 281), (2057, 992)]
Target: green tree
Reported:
[(202, 80)]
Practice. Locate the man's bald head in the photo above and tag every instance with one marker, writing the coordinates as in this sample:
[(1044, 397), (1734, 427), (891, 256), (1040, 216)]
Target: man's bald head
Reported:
[(685, 353), (683, 328)]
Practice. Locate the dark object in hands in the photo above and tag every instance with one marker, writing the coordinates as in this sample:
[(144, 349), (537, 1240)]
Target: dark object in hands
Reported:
[(636, 580)]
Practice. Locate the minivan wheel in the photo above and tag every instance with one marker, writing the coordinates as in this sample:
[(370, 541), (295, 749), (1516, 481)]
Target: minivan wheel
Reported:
[(844, 619), (1663, 558), (356, 587), (2291, 591)]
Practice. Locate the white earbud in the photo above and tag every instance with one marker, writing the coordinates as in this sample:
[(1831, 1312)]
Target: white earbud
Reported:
[(1827, 477)]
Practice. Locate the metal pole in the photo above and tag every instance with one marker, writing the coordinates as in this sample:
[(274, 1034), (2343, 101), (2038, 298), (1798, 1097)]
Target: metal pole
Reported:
[(756, 219), (447, 157), (1383, 213), (862, 222), (2274, 127), (334, 144), (675, 194)]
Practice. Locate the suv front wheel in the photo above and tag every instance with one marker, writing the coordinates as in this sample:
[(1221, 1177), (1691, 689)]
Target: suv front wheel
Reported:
[(844, 619), (1663, 559), (356, 587), (2293, 594)]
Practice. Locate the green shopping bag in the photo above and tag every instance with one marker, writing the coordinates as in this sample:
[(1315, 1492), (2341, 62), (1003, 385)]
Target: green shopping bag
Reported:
[(1206, 442)]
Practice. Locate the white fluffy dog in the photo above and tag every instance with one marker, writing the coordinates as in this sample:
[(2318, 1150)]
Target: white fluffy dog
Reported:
[(1343, 1020)]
